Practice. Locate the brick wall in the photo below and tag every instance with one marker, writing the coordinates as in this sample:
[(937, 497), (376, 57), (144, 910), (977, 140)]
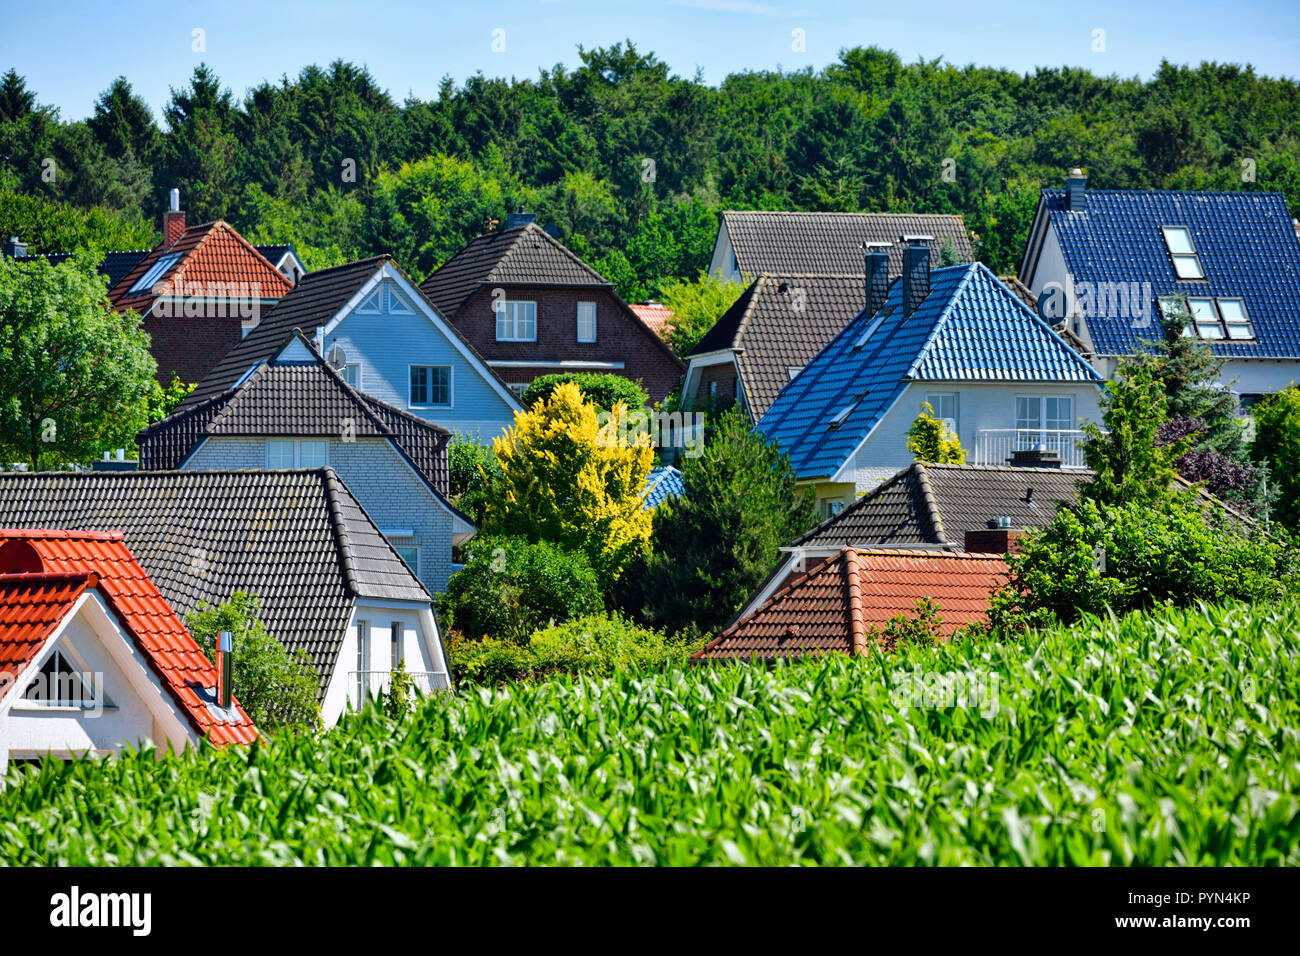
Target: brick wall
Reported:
[(190, 345), (620, 337), (377, 477)]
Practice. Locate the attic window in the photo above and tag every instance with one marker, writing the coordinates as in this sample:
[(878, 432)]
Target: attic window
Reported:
[(1187, 264), (871, 329), (840, 417), (1235, 320), (155, 272)]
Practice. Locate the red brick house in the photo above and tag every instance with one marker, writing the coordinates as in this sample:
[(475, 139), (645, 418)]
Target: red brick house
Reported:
[(199, 291), (531, 307)]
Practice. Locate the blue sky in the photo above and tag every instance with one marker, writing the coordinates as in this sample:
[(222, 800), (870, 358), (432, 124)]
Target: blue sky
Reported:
[(70, 51)]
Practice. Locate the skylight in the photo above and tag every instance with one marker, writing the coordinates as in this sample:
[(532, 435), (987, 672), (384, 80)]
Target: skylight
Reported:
[(155, 272), (871, 329), (1213, 319), (1187, 264), (840, 417), (1206, 318), (1235, 319)]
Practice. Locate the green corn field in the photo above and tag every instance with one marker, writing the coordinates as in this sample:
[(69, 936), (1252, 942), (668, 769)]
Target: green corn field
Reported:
[(1164, 739)]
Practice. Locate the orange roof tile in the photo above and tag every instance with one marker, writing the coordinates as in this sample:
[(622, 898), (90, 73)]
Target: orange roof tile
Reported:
[(213, 252), (835, 606), (655, 315), (31, 605)]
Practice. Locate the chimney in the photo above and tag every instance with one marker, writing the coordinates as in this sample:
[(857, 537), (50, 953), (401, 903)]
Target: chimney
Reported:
[(1076, 193), (876, 255), (173, 223), (992, 540), (1035, 458), (916, 272), (519, 218), (225, 661), (15, 248)]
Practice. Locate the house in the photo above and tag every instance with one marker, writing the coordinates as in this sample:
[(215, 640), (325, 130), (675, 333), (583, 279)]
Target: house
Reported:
[(93, 658), (842, 605), (956, 338), (388, 342), (1107, 262), (751, 243), (534, 308), (295, 411), (933, 507), (284, 257), (330, 584), (776, 327)]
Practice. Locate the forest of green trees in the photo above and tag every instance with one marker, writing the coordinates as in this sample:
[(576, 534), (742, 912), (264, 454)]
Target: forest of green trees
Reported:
[(631, 162)]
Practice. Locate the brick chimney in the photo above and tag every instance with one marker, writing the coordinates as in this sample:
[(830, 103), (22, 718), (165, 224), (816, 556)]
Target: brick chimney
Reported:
[(992, 540), (877, 264), (916, 272), (1076, 191), (173, 221), (519, 218)]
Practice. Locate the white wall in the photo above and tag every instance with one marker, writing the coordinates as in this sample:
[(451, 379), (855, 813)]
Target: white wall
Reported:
[(420, 646), (721, 263), (142, 709), (979, 406)]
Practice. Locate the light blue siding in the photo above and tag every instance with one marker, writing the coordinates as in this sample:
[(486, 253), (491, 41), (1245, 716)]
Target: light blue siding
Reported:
[(386, 344)]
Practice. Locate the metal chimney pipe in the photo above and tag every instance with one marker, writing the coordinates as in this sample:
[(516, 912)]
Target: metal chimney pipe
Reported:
[(225, 668), (175, 196)]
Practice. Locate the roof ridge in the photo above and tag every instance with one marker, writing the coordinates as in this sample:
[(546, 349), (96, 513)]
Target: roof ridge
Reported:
[(839, 212), (927, 493), (346, 562), (970, 270), (857, 630)]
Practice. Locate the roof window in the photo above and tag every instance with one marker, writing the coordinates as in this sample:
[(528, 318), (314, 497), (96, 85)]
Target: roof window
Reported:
[(1178, 240)]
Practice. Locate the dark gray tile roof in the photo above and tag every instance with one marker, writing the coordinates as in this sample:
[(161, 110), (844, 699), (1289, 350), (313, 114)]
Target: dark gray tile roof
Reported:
[(781, 322), (312, 302), (829, 243), (937, 504), (296, 538), (115, 265), (524, 255), (297, 399)]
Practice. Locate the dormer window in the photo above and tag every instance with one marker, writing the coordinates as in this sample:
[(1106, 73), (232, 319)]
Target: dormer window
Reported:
[(1187, 264)]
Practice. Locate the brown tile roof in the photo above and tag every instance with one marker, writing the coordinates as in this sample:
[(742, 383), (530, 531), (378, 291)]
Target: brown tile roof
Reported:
[(936, 504), (1022, 292), (829, 243), (655, 315), (835, 606), (781, 322), (299, 539), (524, 255), (297, 399), (208, 254)]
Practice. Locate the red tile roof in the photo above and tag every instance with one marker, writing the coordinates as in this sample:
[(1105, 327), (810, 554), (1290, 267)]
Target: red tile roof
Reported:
[(210, 253), (75, 561), (834, 606), (655, 315)]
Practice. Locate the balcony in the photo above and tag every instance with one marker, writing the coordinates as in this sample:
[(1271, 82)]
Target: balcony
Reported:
[(994, 446), (374, 683)]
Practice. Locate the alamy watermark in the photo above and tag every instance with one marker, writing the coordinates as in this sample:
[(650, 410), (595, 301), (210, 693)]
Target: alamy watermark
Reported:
[(684, 430), (212, 300), (1104, 300), (975, 691)]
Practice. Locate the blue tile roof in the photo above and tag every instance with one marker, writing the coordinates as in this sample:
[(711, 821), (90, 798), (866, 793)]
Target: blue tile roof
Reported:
[(970, 327), (1246, 242), (661, 484)]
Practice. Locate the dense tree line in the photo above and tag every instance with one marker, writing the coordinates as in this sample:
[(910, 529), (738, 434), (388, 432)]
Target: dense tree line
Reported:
[(629, 160)]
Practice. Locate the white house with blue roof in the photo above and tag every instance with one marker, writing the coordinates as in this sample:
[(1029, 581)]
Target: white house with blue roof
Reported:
[(956, 338), (1104, 261)]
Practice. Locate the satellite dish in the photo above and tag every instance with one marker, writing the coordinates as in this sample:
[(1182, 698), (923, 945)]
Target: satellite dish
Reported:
[(337, 357)]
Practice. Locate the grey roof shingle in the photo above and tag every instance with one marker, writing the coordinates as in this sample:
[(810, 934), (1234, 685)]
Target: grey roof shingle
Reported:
[(524, 255), (937, 504), (116, 264), (299, 399), (830, 243), (781, 322), (312, 302), (298, 539)]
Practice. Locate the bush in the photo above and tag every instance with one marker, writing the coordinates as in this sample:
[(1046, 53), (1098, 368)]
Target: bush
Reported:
[(474, 471), (276, 688), (1175, 551), (1277, 443), (930, 440), (510, 587), (602, 390), (595, 645)]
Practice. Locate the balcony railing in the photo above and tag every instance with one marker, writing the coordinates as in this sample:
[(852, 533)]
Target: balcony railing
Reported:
[(995, 446), (374, 683)]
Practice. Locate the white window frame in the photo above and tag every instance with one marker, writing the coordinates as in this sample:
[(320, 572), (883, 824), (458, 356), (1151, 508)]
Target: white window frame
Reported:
[(1189, 255), (355, 369), (590, 336), (509, 321), (410, 387), (296, 454), (951, 421), (1242, 323), (396, 652), (363, 662)]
